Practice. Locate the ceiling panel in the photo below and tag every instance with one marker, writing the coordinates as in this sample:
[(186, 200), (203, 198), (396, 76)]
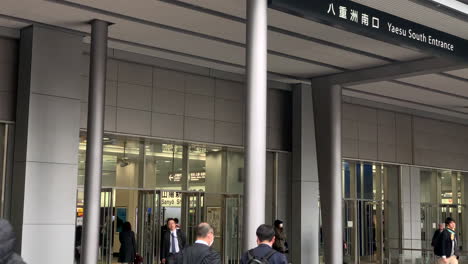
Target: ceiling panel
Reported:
[(405, 104), (322, 53), (173, 57), (195, 21), (296, 68), (409, 93), (232, 7), (316, 30), (440, 82), (463, 73), (172, 15)]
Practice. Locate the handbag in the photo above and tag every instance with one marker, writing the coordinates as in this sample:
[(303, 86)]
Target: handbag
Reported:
[(138, 259)]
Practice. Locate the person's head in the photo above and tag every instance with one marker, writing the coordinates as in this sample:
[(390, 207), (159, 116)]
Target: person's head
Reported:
[(127, 226), (278, 224), (171, 224), (450, 223), (176, 220), (265, 235), (441, 226), (206, 233)]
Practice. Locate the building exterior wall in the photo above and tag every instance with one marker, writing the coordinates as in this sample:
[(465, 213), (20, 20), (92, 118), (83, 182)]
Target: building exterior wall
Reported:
[(149, 101), (192, 105), (388, 136)]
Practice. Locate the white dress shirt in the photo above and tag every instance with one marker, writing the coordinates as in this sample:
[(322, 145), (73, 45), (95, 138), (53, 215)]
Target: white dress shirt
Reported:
[(176, 242), (201, 242)]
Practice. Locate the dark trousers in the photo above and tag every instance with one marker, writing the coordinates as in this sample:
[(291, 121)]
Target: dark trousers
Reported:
[(175, 258)]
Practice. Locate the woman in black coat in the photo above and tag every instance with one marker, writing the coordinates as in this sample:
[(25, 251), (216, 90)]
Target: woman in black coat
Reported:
[(127, 244)]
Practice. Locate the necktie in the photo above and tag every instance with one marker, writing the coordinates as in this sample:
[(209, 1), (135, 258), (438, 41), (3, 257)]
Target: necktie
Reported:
[(173, 249)]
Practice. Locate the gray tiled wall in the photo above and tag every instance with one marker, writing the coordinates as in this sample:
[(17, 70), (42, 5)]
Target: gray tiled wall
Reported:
[(150, 101), (8, 78), (373, 134)]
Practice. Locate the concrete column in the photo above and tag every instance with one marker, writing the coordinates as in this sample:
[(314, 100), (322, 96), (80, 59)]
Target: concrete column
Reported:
[(327, 113), (304, 228), (46, 149), (97, 95), (255, 143)]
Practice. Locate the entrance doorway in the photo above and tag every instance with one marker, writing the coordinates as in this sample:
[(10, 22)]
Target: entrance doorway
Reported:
[(432, 215), (370, 210), (147, 212)]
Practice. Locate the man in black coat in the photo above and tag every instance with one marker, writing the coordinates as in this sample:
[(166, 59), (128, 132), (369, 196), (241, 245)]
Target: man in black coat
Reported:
[(447, 247), (265, 240), (201, 252), (173, 242), (436, 234)]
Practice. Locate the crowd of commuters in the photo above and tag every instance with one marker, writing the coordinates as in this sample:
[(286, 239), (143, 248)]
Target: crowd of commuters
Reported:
[(271, 245)]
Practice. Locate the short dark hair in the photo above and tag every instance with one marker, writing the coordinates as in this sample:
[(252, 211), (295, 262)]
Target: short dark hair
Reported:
[(170, 219), (265, 232), (176, 220), (127, 226), (449, 220), (203, 230)]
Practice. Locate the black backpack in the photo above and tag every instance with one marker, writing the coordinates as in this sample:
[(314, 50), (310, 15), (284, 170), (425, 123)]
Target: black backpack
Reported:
[(256, 260)]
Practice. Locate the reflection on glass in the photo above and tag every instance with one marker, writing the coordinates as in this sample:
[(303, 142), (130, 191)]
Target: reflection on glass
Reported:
[(135, 163), (235, 172), (164, 168), (206, 167)]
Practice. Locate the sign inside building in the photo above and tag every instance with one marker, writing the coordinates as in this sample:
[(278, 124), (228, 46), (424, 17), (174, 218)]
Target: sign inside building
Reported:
[(376, 24), (195, 177)]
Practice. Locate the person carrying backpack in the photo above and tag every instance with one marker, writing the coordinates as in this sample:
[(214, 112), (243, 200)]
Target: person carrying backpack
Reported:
[(264, 253)]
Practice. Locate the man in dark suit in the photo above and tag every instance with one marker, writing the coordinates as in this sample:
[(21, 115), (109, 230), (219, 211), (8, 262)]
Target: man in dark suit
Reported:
[(173, 242), (447, 248), (201, 252), (265, 240)]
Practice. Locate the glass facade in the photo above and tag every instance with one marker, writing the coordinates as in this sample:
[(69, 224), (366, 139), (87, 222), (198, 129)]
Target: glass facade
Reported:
[(147, 181), (443, 194)]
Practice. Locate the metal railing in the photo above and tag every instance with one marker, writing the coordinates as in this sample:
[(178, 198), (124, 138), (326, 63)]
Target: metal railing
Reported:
[(417, 256), (410, 255)]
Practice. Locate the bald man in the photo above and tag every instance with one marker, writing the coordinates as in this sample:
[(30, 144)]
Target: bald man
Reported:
[(201, 252)]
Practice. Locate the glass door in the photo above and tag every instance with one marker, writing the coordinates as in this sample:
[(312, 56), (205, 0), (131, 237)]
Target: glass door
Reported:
[(192, 213), (232, 247), (370, 226), (106, 235), (148, 222), (364, 188)]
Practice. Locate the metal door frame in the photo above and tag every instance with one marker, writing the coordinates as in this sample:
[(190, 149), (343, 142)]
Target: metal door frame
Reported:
[(153, 222), (107, 220)]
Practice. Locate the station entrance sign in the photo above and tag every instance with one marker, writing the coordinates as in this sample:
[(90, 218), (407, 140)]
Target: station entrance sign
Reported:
[(373, 23)]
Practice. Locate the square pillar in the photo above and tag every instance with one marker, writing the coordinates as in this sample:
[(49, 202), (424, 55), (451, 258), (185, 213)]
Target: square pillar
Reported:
[(46, 149), (304, 229)]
